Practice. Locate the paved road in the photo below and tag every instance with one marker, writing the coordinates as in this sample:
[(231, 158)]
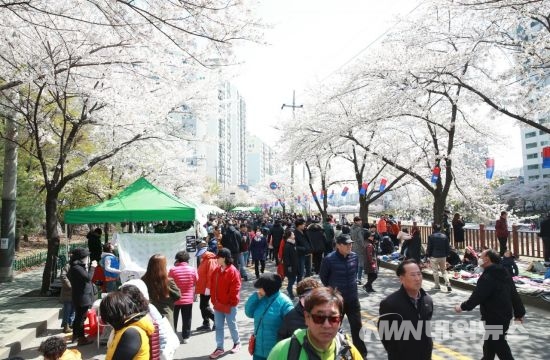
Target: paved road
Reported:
[(462, 341)]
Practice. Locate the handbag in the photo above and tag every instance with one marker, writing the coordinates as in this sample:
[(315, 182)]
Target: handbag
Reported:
[(252, 340), (251, 344)]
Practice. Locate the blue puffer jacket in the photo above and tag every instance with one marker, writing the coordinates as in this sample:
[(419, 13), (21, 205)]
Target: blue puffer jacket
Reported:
[(340, 273), (266, 333)]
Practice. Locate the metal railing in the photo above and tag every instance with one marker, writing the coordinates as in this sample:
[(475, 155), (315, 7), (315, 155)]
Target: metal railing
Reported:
[(40, 258), (521, 243)]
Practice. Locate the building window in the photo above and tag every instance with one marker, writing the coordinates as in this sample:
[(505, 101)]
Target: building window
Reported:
[(546, 176), (541, 132), (531, 145), (535, 177), (530, 134), (532, 156), (543, 143), (533, 167)]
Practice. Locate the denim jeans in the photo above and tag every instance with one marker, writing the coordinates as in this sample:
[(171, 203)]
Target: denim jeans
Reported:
[(219, 319), (68, 313), (242, 266), (246, 254), (359, 272)]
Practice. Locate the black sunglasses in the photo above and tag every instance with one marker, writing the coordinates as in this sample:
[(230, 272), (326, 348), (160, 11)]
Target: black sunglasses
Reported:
[(320, 319)]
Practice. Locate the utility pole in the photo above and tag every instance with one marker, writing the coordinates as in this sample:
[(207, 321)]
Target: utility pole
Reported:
[(294, 107)]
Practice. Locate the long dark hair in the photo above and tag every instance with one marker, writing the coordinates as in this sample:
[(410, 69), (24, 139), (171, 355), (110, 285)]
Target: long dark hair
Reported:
[(156, 278)]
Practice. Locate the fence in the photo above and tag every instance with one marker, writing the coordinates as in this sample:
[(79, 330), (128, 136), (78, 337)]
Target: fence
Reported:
[(521, 243), (40, 258)]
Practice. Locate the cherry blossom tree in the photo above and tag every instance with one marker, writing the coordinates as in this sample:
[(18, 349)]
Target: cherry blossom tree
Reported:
[(95, 78)]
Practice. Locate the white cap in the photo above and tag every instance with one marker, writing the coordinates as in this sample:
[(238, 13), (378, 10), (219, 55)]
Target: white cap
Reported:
[(140, 285)]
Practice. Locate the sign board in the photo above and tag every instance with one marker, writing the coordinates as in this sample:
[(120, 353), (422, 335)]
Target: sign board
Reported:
[(273, 185), (4, 243)]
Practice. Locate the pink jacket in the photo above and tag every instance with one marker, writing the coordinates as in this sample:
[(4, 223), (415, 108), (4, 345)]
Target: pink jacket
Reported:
[(185, 276)]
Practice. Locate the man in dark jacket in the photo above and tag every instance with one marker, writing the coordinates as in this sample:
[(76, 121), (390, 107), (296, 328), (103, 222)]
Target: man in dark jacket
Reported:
[(437, 252), (82, 291), (303, 248), (545, 235), (275, 237), (329, 236), (94, 244), (498, 301), (408, 304), (316, 236), (339, 270)]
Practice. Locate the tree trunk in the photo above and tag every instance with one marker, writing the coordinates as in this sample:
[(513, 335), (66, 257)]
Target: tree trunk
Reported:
[(53, 241), (364, 209), (9, 193), (439, 206)]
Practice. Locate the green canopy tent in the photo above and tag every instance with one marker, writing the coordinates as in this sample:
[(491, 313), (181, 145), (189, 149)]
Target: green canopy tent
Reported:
[(141, 201), (247, 208)]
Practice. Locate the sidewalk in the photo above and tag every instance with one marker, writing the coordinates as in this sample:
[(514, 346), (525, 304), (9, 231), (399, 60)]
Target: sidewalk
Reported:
[(24, 318)]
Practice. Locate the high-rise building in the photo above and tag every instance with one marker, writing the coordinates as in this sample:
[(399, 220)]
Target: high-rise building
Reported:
[(217, 148), (259, 160), (532, 142)]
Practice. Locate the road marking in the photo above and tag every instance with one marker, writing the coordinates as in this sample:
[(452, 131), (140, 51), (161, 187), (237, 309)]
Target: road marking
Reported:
[(445, 350)]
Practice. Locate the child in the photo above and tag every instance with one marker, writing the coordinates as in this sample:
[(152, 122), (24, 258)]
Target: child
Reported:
[(509, 263), (65, 297), (55, 348), (371, 264)]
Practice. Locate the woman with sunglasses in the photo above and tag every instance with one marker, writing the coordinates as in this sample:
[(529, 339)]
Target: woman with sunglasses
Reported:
[(323, 309), (267, 307)]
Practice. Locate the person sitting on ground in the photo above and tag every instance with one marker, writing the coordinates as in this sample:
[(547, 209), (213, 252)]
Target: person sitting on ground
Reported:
[(452, 259), (323, 310), (403, 238), (470, 256), (295, 318), (55, 348), (509, 263), (386, 246)]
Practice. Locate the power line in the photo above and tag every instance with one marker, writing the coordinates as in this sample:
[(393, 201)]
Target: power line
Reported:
[(370, 44)]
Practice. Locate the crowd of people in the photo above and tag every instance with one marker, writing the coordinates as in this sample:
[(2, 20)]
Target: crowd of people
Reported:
[(324, 264)]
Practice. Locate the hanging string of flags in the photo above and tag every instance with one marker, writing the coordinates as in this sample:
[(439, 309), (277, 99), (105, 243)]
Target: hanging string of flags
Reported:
[(435, 174), (546, 157), (345, 191), (489, 168), (383, 183)]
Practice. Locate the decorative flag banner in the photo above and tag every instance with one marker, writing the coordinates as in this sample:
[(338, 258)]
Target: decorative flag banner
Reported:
[(331, 195), (363, 189), (321, 194), (345, 191), (314, 196), (489, 168), (299, 199), (435, 174), (383, 183), (546, 157)]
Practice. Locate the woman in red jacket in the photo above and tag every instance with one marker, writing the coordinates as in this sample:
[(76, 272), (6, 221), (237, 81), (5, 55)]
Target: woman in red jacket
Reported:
[(226, 285)]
